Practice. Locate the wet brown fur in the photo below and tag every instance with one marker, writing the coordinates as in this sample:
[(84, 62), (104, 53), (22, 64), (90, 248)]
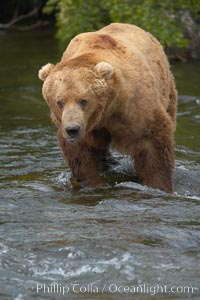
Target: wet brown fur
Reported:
[(135, 109)]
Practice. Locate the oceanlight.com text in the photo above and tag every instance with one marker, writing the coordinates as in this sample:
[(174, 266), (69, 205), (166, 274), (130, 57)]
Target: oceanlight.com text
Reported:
[(62, 289)]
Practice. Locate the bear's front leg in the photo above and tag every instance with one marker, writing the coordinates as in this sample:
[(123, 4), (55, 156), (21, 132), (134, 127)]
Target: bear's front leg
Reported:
[(154, 154), (83, 160)]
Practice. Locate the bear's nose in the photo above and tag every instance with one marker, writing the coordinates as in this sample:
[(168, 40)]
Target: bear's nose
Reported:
[(73, 130)]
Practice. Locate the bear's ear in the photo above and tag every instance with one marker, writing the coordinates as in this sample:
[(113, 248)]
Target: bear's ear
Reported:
[(104, 69), (45, 71)]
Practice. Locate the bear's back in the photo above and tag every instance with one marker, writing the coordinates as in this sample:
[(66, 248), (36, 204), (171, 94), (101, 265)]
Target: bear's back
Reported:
[(122, 40), (133, 37)]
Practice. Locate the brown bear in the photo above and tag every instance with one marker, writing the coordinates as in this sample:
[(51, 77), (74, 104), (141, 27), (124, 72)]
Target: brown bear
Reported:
[(114, 86)]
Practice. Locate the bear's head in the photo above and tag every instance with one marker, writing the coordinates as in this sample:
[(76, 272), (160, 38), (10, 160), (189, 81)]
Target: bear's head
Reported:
[(78, 95)]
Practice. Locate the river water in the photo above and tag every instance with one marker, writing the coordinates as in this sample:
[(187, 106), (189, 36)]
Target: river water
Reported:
[(90, 244)]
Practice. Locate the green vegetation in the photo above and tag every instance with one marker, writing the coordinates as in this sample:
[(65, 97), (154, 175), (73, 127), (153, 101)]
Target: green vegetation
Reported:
[(162, 18), (175, 23)]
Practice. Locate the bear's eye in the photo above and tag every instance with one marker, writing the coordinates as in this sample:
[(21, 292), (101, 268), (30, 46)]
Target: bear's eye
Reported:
[(60, 104), (83, 102)]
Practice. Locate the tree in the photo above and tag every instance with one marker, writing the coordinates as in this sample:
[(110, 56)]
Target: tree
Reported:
[(15, 12), (162, 18)]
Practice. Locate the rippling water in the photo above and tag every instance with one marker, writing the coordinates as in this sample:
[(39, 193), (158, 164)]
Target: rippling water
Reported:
[(86, 243)]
